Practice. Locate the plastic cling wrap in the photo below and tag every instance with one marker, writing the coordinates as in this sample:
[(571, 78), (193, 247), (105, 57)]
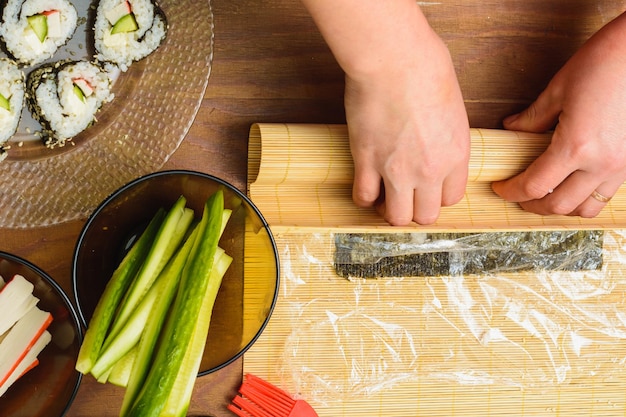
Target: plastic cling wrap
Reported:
[(534, 327), (374, 255)]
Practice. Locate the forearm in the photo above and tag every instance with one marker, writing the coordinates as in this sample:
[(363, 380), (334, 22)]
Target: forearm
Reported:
[(368, 36)]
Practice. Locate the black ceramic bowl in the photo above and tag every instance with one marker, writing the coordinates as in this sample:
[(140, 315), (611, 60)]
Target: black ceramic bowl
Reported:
[(249, 289), (48, 389)]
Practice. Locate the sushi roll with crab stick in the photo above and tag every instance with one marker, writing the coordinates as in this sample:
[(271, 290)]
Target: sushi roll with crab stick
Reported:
[(11, 101), (128, 30), (33, 30), (65, 96)]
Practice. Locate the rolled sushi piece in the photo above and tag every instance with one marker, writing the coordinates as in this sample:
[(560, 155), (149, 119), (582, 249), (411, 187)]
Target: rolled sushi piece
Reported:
[(33, 30), (64, 98), (128, 30), (11, 101)]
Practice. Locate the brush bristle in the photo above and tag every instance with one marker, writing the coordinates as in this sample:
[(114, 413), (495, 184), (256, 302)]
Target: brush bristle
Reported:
[(259, 398)]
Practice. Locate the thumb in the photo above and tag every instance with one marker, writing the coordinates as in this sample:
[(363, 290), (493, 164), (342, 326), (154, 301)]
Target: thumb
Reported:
[(540, 116)]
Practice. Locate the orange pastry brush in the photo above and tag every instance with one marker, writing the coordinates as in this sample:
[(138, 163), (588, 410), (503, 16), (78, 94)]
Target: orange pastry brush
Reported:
[(259, 398)]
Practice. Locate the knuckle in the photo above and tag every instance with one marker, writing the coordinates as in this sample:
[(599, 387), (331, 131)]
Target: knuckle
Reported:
[(581, 149), (531, 111), (452, 199), (364, 198), (589, 212), (561, 207), (534, 190), (586, 153)]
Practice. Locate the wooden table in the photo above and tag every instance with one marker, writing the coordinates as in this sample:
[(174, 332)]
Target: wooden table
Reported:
[(271, 65)]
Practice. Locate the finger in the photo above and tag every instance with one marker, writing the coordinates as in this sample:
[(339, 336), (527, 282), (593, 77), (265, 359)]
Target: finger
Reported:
[(366, 188), (540, 116), (597, 200), (538, 180), (427, 204), (397, 206), (454, 186), (566, 198)]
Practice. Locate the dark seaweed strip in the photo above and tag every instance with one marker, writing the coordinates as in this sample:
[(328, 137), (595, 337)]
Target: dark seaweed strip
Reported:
[(34, 79), (397, 254), (159, 14)]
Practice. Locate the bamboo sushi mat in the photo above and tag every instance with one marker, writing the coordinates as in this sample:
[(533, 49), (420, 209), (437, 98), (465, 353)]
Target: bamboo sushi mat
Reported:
[(550, 343), (301, 176)]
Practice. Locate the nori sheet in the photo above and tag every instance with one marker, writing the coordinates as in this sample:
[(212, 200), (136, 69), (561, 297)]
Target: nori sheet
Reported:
[(373, 255), (33, 80)]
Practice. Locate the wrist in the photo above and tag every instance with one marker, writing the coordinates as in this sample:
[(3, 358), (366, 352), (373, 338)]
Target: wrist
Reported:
[(369, 36)]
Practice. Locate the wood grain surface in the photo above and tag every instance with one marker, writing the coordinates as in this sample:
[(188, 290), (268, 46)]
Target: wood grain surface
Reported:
[(271, 65)]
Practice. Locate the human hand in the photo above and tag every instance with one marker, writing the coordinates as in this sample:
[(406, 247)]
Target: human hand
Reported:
[(409, 136), (409, 133), (585, 163)]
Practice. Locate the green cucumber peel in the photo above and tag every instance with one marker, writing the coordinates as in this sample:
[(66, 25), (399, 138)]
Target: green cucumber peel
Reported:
[(185, 310), (116, 347), (39, 24), (119, 344), (79, 93), (180, 396), (113, 293), (169, 237), (125, 24), (150, 336)]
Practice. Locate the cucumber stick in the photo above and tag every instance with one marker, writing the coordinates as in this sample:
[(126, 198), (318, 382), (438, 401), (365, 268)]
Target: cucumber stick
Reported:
[(225, 217), (113, 293), (118, 343), (127, 337), (181, 321), (180, 396), (120, 372), (153, 328), (168, 239), (104, 378)]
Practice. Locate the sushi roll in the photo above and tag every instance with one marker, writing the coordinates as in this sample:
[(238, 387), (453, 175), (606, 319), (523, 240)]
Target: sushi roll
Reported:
[(33, 30), (11, 100), (127, 31), (64, 98)]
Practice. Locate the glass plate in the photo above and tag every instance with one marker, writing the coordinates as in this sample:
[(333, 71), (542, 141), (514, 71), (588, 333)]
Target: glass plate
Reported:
[(155, 103)]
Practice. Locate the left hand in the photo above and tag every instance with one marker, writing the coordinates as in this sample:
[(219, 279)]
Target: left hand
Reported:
[(586, 101)]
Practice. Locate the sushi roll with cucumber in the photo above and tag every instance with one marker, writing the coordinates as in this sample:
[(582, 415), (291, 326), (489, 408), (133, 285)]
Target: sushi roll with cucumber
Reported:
[(64, 98), (33, 30), (128, 30), (11, 100)]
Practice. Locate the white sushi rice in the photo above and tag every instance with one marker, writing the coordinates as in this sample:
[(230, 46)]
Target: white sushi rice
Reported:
[(12, 88), (125, 48), (19, 37), (67, 113)]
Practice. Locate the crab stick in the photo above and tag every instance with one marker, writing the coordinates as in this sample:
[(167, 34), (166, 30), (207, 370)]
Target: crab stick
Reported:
[(20, 340), (28, 362), (16, 299)]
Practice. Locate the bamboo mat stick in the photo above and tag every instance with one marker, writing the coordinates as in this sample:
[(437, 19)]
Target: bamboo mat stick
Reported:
[(301, 176)]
